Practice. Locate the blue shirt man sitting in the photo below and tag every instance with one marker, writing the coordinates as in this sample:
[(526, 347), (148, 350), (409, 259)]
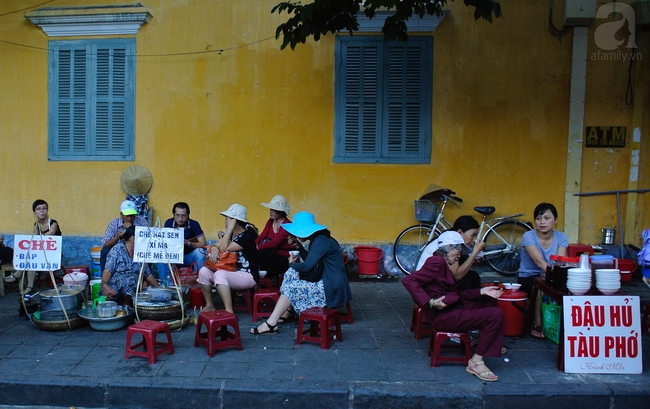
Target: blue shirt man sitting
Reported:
[(194, 239)]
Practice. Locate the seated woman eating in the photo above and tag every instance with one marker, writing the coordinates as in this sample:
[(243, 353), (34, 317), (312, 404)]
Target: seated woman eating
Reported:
[(238, 238), (272, 243), (121, 273), (319, 281), (446, 308), (467, 227)]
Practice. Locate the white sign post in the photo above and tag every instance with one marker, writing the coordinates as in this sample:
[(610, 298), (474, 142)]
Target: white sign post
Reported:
[(602, 334), (33, 253), (158, 245)]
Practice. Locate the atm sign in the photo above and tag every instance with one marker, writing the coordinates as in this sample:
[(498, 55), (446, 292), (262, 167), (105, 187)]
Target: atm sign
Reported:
[(605, 136)]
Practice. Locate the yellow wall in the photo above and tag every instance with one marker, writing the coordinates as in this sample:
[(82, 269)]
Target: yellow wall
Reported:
[(253, 121)]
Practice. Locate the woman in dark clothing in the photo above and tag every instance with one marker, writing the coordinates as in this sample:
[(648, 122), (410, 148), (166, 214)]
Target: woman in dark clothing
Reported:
[(446, 308), (319, 281)]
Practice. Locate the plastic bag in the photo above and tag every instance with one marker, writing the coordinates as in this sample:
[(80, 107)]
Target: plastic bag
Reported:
[(643, 257)]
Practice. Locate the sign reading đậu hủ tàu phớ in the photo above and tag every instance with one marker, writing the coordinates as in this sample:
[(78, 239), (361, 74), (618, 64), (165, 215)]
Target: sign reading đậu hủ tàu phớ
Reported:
[(602, 334)]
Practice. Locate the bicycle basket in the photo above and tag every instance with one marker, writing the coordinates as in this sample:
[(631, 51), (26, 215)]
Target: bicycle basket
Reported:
[(425, 211)]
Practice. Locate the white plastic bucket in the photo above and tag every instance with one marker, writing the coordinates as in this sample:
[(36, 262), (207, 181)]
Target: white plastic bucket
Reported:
[(80, 279)]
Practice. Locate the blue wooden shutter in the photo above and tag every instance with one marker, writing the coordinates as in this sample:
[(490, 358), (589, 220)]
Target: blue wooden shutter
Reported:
[(406, 126), (383, 100), (92, 100)]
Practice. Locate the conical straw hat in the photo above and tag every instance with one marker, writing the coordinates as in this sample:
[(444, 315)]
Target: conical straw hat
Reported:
[(136, 180)]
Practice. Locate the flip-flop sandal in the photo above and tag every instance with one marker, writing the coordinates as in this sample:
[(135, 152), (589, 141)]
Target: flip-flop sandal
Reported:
[(538, 329), (10, 278), (27, 291), (291, 317), (487, 376), (273, 329)]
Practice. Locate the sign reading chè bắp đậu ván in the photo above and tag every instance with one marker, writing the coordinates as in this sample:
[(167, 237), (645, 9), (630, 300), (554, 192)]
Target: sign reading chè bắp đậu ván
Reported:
[(37, 253)]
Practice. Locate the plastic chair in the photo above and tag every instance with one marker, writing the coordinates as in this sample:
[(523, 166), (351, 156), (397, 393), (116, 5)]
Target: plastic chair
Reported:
[(259, 309), (324, 325), (418, 324), (436, 345), (152, 348), (216, 324)]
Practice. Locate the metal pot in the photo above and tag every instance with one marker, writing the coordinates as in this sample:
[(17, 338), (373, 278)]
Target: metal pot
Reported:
[(608, 235), (69, 298)]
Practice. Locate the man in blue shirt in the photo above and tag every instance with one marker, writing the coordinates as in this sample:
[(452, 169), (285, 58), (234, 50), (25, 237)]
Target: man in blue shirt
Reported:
[(194, 239)]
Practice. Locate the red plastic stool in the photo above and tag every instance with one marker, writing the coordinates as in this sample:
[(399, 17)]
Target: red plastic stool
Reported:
[(324, 324), (269, 295), (152, 348), (347, 315), (575, 249), (436, 345), (216, 324), (418, 324), (243, 302), (265, 282)]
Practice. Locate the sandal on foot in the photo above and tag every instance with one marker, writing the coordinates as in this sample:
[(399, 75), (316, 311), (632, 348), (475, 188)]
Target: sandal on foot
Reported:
[(487, 376), (504, 350), (27, 291), (536, 332), (273, 329), (290, 317), (11, 278)]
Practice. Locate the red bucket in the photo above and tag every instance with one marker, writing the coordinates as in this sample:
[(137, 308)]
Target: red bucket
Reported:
[(513, 305), (196, 298), (627, 267), (368, 258)]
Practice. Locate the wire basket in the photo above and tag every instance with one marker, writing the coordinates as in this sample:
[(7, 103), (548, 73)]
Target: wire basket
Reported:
[(425, 211), (551, 321)]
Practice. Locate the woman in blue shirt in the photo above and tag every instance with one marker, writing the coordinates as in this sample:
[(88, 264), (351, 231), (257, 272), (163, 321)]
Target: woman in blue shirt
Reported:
[(539, 245)]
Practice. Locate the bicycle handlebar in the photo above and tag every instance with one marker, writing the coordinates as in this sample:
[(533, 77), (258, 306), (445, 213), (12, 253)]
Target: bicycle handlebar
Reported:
[(452, 195)]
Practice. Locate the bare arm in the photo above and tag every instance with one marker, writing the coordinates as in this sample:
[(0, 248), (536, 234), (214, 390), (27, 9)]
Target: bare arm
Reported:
[(462, 270), (537, 257)]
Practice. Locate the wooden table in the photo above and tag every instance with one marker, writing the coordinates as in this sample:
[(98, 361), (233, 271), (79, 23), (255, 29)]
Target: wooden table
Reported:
[(558, 297)]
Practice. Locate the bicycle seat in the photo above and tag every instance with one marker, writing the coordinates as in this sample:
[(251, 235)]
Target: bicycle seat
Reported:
[(485, 210)]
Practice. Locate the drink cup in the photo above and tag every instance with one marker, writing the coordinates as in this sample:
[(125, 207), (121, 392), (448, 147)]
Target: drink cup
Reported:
[(99, 300)]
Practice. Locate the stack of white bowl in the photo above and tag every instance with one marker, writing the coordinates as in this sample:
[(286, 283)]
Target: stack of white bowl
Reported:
[(578, 280), (608, 280)]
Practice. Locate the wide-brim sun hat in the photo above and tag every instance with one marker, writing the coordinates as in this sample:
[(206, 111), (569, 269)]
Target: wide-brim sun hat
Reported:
[(278, 203), (303, 225), (136, 180), (236, 211)]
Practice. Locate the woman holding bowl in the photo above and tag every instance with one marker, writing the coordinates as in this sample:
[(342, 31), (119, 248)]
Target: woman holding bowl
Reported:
[(319, 281), (446, 308)]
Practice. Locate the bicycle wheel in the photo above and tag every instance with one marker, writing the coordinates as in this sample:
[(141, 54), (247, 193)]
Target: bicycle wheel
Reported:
[(409, 246), (503, 246)]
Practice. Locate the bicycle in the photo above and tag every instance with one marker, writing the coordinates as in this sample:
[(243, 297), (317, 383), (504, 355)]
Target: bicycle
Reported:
[(502, 235)]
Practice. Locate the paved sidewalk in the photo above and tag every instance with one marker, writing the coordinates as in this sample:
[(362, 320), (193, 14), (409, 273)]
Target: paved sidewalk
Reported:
[(377, 365)]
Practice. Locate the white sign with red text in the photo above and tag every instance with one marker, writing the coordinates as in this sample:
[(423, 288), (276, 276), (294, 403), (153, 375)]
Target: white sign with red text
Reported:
[(602, 334), (37, 253), (158, 245)]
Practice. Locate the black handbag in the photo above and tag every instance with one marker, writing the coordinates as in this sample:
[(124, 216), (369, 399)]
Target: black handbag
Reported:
[(315, 274)]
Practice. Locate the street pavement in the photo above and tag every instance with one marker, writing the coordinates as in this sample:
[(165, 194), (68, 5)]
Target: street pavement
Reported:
[(378, 364)]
